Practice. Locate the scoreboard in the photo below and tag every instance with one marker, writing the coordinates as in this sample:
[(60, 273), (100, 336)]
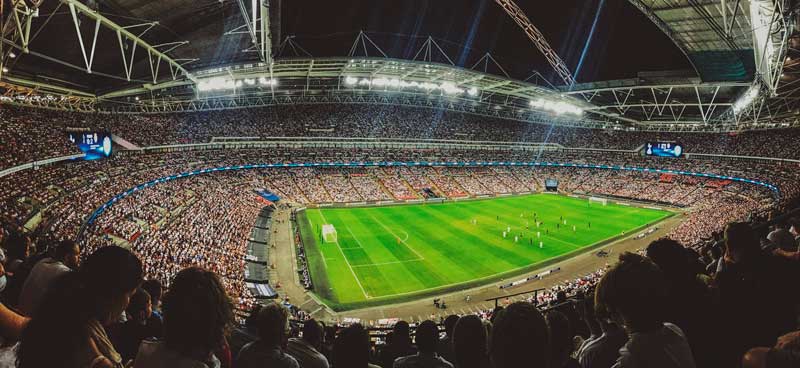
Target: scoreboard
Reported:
[(663, 149), (95, 145)]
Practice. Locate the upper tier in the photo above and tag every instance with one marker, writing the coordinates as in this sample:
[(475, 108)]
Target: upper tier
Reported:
[(35, 134)]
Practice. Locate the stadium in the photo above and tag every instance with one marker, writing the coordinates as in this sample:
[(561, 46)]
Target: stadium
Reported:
[(221, 183)]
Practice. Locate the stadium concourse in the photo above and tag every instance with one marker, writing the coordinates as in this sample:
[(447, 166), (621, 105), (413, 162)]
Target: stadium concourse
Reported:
[(196, 229)]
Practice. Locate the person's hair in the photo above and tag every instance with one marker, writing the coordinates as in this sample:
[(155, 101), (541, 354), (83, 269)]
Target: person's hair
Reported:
[(740, 240), (561, 345), (138, 303), (312, 332), (154, 288), (470, 342), (197, 312), (271, 324), (427, 336), (251, 322), (17, 245), (450, 324), (634, 290), (670, 256), (58, 331), (64, 248), (401, 333), (351, 348), (520, 338)]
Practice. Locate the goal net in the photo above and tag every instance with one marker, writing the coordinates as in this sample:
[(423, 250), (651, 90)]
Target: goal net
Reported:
[(329, 233), (603, 201)]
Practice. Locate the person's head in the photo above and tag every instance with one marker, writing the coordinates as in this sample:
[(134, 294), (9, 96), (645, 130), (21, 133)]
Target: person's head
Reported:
[(632, 293), (561, 345), (17, 245), (69, 253), (450, 324), (272, 324), (470, 342), (520, 337), (197, 313), (401, 333), (313, 333), (111, 275), (351, 348), (251, 322), (794, 226), (669, 255), (427, 337), (100, 290), (139, 309), (740, 242), (154, 288)]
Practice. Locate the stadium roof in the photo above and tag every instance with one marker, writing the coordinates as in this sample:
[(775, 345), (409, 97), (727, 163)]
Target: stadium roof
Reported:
[(134, 51)]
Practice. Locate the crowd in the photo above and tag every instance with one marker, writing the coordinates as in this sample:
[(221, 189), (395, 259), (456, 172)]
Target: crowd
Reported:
[(33, 134), (665, 306)]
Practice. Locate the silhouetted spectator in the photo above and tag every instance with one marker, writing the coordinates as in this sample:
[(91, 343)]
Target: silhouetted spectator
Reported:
[(632, 292), (197, 314), (351, 348), (67, 329), (601, 349), (470, 343), (427, 339), (307, 349), (398, 345), (752, 290), (273, 327), (65, 259), (445, 349), (128, 335), (561, 343), (520, 338)]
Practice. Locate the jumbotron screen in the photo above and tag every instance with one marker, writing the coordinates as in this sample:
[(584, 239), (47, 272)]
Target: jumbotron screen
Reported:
[(95, 145), (663, 149)]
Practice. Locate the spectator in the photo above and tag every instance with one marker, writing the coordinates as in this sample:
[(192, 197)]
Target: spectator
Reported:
[(197, 314), (307, 349), (751, 289), (785, 354), (600, 350), (65, 259), (427, 339), (520, 338), (398, 344), (688, 302), (446, 345), (247, 333), (128, 335), (154, 289), (18, 247), (782, 238), (273, 327), (351, 348), (632, 292), (561, 344), (470, 343), (68, 327)]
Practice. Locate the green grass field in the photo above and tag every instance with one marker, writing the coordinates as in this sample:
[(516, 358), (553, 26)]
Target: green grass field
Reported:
[(397, 253)]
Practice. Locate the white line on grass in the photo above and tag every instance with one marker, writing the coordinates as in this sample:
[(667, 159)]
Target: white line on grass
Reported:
[(387, 263), (395, 235), (346, 261)]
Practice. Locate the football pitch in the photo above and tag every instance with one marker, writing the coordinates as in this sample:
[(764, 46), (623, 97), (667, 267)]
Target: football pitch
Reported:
[(396, 253)]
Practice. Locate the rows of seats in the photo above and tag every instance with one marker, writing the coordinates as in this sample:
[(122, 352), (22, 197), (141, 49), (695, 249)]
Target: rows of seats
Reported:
[(33, 134)]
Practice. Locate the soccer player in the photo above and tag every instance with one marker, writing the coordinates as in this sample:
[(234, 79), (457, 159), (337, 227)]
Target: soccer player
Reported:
[(541, 245)]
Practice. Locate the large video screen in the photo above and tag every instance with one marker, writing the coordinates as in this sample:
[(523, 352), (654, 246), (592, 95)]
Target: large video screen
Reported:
[(95, 145), (663, 149)]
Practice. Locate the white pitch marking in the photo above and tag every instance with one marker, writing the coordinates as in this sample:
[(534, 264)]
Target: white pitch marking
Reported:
[(395, 235), (346, 261)]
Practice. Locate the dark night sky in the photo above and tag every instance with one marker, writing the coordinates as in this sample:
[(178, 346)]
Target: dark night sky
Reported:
[(624, 41)]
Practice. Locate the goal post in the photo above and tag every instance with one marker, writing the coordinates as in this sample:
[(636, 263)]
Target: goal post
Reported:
[(329, 233), (603, 201)]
